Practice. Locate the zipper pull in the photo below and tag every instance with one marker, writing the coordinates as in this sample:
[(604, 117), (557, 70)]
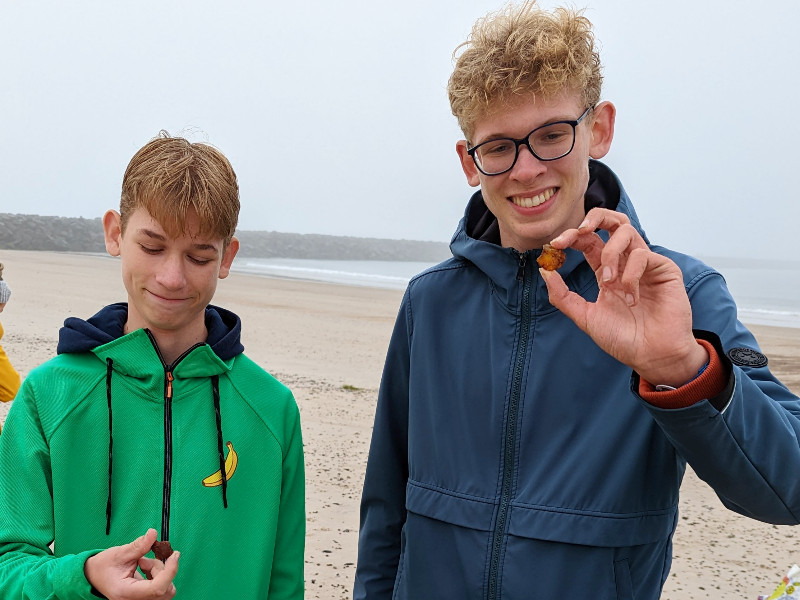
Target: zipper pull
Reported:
[(523, 259), (169, 385)]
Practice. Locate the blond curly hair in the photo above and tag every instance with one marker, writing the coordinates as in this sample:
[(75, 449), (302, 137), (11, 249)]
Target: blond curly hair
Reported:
[(519, 51), (169, 176)]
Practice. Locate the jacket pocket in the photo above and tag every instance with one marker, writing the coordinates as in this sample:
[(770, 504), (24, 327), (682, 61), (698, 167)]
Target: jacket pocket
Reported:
[(622, 577), (440, 561), (398, 580)]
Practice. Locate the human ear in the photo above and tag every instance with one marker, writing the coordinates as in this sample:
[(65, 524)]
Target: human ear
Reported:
[(602, 129), (112, 230), (227, 258), (467, 164)]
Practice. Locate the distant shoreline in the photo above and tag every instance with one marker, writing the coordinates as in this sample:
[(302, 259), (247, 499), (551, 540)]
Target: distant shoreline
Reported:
[(77, 234)]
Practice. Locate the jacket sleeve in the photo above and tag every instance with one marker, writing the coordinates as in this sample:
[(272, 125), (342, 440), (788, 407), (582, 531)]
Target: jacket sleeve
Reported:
[(28, 569), (286, 580), (748, 452), (9, 378), (383, 511)]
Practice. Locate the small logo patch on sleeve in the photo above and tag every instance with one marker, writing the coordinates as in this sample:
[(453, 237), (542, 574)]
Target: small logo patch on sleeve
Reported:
[(747, 357)]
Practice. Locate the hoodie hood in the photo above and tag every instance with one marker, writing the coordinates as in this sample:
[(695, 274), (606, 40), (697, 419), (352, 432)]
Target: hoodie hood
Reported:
[(79, 335), (104, 332)]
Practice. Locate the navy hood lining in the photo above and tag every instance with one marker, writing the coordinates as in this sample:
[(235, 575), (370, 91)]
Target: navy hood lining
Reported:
[(78, 335)]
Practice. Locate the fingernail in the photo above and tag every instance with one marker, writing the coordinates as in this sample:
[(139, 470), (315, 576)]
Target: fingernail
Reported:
[(629, 299), (584, 223), (606, 273)]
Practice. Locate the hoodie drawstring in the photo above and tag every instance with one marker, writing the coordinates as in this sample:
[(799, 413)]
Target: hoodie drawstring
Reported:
[(220, 445), (215, 391), (109, 370)]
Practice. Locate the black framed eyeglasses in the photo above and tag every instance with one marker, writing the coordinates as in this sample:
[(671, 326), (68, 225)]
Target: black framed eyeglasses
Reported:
[(548, 142)]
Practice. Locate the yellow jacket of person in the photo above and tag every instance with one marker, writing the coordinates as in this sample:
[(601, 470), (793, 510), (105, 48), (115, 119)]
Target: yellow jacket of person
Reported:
[(9, 378)]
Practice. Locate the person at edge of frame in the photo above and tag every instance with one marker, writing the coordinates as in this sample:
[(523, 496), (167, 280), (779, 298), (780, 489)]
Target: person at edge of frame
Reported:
[(9, 378)]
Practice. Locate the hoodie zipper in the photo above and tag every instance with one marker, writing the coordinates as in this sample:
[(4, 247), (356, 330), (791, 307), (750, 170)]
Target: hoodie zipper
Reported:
[(168, 379), (167, 453), (510, 446)]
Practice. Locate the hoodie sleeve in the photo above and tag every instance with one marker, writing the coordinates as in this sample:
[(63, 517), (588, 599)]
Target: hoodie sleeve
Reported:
[(28, 569), (383, 500), (286, 580), (748, 452)]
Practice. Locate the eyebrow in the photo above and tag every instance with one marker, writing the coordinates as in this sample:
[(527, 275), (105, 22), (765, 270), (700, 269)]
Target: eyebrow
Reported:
[(161, 238)]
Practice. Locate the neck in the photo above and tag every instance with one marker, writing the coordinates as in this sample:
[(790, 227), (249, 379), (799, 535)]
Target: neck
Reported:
[(171, 349), (172, 344)]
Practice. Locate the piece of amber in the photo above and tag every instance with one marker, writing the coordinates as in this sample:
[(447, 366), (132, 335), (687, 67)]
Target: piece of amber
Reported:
[(551, 258)]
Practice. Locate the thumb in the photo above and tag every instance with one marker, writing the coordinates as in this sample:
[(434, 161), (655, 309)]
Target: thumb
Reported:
[(556, 288), (141, 545), (559, 295)]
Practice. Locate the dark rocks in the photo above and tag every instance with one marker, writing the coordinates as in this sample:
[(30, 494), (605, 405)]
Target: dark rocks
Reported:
[(70, 234), (32, 232)]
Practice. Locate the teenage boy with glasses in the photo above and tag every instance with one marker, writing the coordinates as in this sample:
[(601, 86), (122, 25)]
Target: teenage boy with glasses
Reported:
[(533, 426)]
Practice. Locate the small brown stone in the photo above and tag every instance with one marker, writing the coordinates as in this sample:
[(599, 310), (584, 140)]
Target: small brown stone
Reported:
[(162, 550)]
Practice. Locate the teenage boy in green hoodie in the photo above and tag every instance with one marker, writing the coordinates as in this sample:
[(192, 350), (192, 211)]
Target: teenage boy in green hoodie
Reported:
[(151, 422)]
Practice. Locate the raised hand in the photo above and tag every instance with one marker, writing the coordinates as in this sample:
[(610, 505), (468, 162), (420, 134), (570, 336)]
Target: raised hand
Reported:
[(642, 316), (113, 572)]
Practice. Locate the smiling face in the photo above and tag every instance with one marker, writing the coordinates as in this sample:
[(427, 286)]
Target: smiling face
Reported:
[(169, 280), (537, 200)]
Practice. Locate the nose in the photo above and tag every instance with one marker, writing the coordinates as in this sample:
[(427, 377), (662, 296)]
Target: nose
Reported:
[(171, 272), (527, 167)]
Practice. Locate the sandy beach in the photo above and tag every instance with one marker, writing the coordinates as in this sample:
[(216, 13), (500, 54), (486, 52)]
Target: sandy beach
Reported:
[(328, 343)]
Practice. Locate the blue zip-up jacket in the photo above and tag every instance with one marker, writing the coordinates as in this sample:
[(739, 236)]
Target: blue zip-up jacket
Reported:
[(511, 457)]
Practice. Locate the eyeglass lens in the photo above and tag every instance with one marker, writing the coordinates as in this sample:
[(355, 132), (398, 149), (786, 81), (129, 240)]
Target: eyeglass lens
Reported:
[(548, 143)]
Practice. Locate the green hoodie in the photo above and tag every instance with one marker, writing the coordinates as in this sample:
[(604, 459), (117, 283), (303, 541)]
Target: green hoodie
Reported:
[(57, 450)]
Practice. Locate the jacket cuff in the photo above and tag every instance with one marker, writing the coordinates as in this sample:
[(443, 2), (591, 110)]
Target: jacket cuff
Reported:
[(69, 578), (714, 384)]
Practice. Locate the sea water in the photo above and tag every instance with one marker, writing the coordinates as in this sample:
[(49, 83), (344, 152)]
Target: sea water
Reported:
[(370, 273), (766, 294)]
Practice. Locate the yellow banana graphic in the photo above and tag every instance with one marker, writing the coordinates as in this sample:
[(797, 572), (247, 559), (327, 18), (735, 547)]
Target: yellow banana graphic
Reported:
[(230, 467)]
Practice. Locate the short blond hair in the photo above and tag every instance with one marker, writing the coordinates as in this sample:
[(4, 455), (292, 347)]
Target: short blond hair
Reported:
[(523, 50), (169, 176)]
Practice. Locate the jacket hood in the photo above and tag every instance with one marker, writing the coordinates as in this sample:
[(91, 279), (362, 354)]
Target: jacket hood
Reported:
[(78, 335), (477, 238)]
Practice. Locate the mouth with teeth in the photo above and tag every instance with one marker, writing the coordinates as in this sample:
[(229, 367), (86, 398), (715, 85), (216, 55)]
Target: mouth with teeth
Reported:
[(532, 201)]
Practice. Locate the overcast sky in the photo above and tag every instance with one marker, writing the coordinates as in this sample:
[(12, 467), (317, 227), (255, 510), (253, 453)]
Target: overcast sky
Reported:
[(335, 117)]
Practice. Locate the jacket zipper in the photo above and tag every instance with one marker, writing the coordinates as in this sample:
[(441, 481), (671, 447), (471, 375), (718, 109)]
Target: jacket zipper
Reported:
[(168, 379), (167, 453), (511, 430)]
